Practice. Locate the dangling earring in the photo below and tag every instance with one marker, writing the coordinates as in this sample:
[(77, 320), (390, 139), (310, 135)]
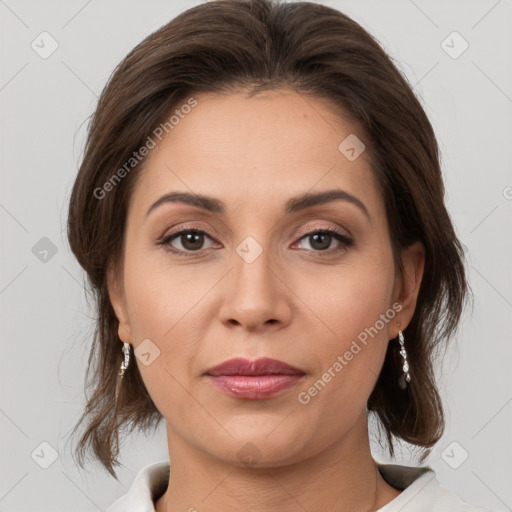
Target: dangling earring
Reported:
[(126, 362), (122, 369), (120, 375), (405, 377)]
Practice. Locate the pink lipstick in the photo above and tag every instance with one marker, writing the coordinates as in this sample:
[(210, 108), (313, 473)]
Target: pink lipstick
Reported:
[(254, 380)]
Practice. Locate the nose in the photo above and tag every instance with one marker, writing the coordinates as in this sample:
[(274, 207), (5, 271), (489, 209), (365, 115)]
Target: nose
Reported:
[(256, 297)]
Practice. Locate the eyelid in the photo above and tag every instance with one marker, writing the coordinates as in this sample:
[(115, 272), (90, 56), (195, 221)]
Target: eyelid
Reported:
[(341, 231), (344, 239), (303, 233), (161, 240)]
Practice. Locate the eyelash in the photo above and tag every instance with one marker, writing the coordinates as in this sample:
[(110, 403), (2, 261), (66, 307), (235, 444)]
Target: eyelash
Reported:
[(344, 239)]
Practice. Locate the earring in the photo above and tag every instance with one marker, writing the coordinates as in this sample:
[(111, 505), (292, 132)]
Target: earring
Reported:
[(124, 365), (405, 377), (126, 362)]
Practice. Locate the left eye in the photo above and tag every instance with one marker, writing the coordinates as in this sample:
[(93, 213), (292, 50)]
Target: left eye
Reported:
[(322, 239), (192, 240)]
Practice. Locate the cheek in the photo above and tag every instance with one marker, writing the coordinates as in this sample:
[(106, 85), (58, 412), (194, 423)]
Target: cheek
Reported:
[(166, 306), (354, 306), (349, 299), (159, 298)]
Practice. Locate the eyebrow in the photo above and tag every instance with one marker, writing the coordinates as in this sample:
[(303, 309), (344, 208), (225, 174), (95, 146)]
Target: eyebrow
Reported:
[(293, 205)]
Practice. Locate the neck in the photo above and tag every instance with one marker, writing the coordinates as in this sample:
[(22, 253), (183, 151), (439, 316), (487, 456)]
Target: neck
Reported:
[(343, 477)]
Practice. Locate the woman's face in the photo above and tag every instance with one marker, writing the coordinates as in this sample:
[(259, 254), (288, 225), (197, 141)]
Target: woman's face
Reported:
[(255, 284)]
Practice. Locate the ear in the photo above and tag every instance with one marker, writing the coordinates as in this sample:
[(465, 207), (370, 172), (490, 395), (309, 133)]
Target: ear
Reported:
[(407, 286), (117, 299)]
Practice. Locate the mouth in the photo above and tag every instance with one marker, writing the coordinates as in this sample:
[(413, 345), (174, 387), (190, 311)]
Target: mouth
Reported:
[(254, 380)]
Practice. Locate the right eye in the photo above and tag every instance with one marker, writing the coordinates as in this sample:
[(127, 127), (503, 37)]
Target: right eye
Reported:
[(191, 240)]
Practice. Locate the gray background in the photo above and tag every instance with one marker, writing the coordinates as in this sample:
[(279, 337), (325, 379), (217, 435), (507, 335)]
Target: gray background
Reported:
[(46, 322)]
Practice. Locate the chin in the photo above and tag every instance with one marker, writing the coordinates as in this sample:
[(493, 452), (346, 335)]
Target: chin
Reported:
[(261, 448)]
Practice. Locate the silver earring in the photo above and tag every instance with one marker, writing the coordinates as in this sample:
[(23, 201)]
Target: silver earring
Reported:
[(405, 377), (126, 361), (124, 365)]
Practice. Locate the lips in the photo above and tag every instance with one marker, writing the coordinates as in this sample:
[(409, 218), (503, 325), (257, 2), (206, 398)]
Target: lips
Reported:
[(254, 380), (261, 366)]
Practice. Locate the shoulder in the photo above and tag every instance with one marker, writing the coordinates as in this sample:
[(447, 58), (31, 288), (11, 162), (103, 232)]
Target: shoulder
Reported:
[(421, 491), (149, 483)]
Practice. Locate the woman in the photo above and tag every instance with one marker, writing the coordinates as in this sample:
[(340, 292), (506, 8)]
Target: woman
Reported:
[(260, 214)]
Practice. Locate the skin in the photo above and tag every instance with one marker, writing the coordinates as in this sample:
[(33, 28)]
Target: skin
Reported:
[(294, 302)]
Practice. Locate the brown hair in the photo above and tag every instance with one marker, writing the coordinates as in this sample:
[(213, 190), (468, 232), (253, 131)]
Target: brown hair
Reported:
[(228, 45)]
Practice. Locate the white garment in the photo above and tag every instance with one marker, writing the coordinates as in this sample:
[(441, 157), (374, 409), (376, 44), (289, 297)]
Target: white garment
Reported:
[(421, 491)]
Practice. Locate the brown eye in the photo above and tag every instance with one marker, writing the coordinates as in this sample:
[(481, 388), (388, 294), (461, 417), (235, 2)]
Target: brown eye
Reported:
[(191, 240), (320, 240)]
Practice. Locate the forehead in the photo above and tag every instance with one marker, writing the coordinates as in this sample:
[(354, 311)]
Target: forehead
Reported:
[(275, 144)]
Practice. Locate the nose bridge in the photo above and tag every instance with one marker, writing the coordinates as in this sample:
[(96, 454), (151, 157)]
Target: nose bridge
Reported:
[(254, 267), (254, 293), (254, 252)]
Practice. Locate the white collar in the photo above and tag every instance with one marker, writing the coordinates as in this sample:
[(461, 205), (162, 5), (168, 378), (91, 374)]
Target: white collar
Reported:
[(421, 491)]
